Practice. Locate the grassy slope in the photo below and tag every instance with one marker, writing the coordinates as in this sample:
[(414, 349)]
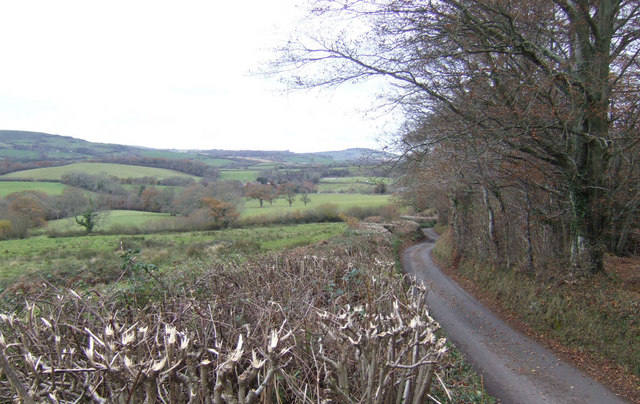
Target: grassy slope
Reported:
[(343, 201), (349, 184), (110, 218), (43, 256), (51, 188), (19, 154), (280, 206), (217, 162), (117, 170), (239, 175)]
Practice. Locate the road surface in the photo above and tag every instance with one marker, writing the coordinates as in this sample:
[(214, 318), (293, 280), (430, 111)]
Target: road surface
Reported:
[(515, 369)]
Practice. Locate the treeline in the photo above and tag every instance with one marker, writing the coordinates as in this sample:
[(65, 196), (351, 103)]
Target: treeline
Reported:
[(188, 166), (288, 191), (98, 183), (290, 175), (301, 174), (8, 166), (521, 119)]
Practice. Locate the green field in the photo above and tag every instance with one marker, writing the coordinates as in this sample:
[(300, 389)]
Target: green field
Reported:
[(124, 218), (81, 256), (50, 188), (350, 184), (343, 201), (239, 175), (305, 159), (219, 162), (116, 170), (20, 154), (132, 218)]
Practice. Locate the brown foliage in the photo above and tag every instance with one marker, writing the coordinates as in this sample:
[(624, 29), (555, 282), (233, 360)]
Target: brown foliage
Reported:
[(330, 323), (222, 213), (530, 107)]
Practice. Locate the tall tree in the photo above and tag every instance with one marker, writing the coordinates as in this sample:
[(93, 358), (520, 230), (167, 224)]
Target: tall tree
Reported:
[(547, 85), (288, 192)]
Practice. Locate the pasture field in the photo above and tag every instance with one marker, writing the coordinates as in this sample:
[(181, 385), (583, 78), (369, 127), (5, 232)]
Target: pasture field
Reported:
[(267, 166), (131, 218), (42, 258), (116, 170), (342, 201), (239, 175), (309, 160), (356, 184), (216, 162), (50, 188), (20, 154), (109, 219)]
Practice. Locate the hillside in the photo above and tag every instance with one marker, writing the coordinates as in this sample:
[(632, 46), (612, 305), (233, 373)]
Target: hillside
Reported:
[(115, 170), (22, 146), (31, 149)]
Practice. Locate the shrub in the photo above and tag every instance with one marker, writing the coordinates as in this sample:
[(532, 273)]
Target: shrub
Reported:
[(5, 228), (229, 330)]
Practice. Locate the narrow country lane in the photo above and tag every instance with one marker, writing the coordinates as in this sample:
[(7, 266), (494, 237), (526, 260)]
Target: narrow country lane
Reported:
[(515, 368)]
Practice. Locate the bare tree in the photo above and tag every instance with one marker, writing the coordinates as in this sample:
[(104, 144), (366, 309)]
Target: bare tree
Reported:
[(542, 85)]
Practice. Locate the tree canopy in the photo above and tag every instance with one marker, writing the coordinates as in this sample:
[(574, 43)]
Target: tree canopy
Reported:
[(524, 114)]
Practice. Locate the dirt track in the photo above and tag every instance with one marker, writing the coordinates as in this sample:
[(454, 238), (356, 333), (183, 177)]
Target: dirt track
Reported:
[(515, 369)]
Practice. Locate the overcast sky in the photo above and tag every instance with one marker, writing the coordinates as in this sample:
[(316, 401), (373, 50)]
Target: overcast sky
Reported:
[(168, 74)]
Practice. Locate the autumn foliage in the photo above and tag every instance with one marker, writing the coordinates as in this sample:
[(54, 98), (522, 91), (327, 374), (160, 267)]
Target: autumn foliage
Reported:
[(221, 213)]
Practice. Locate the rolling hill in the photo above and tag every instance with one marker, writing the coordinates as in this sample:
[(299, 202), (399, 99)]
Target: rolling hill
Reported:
[(28, 149), (36, 146), (115, 170)]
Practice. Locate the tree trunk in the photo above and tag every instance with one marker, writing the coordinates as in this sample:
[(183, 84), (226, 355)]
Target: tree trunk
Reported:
[(591, 143)]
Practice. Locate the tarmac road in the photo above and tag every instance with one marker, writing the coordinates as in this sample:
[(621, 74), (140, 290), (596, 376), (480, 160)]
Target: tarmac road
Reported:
[(515, 369)]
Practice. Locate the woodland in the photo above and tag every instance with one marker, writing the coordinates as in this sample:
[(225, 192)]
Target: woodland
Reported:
[(521, 118)]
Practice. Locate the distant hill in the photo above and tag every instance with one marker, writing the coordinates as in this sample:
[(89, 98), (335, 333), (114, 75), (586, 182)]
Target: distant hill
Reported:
[(22, 149), (284, 156), (357, 154), (23, 146)]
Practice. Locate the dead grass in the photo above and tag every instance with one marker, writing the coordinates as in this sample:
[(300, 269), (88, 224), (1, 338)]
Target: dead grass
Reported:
[(626, 270)]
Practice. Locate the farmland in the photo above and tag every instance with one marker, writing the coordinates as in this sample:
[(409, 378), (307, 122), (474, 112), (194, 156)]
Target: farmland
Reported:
[(358, 184), (239, 175), (122, 219), (130, 220), (42, 255), (153, 190), (51, 188), (145, 257), (342, 202), (115, 170)]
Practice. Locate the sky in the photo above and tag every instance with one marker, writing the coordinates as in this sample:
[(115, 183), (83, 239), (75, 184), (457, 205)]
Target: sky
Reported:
[(170, 75)]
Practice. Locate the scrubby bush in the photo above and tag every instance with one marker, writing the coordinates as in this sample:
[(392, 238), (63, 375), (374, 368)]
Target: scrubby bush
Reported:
[(329, 323)]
